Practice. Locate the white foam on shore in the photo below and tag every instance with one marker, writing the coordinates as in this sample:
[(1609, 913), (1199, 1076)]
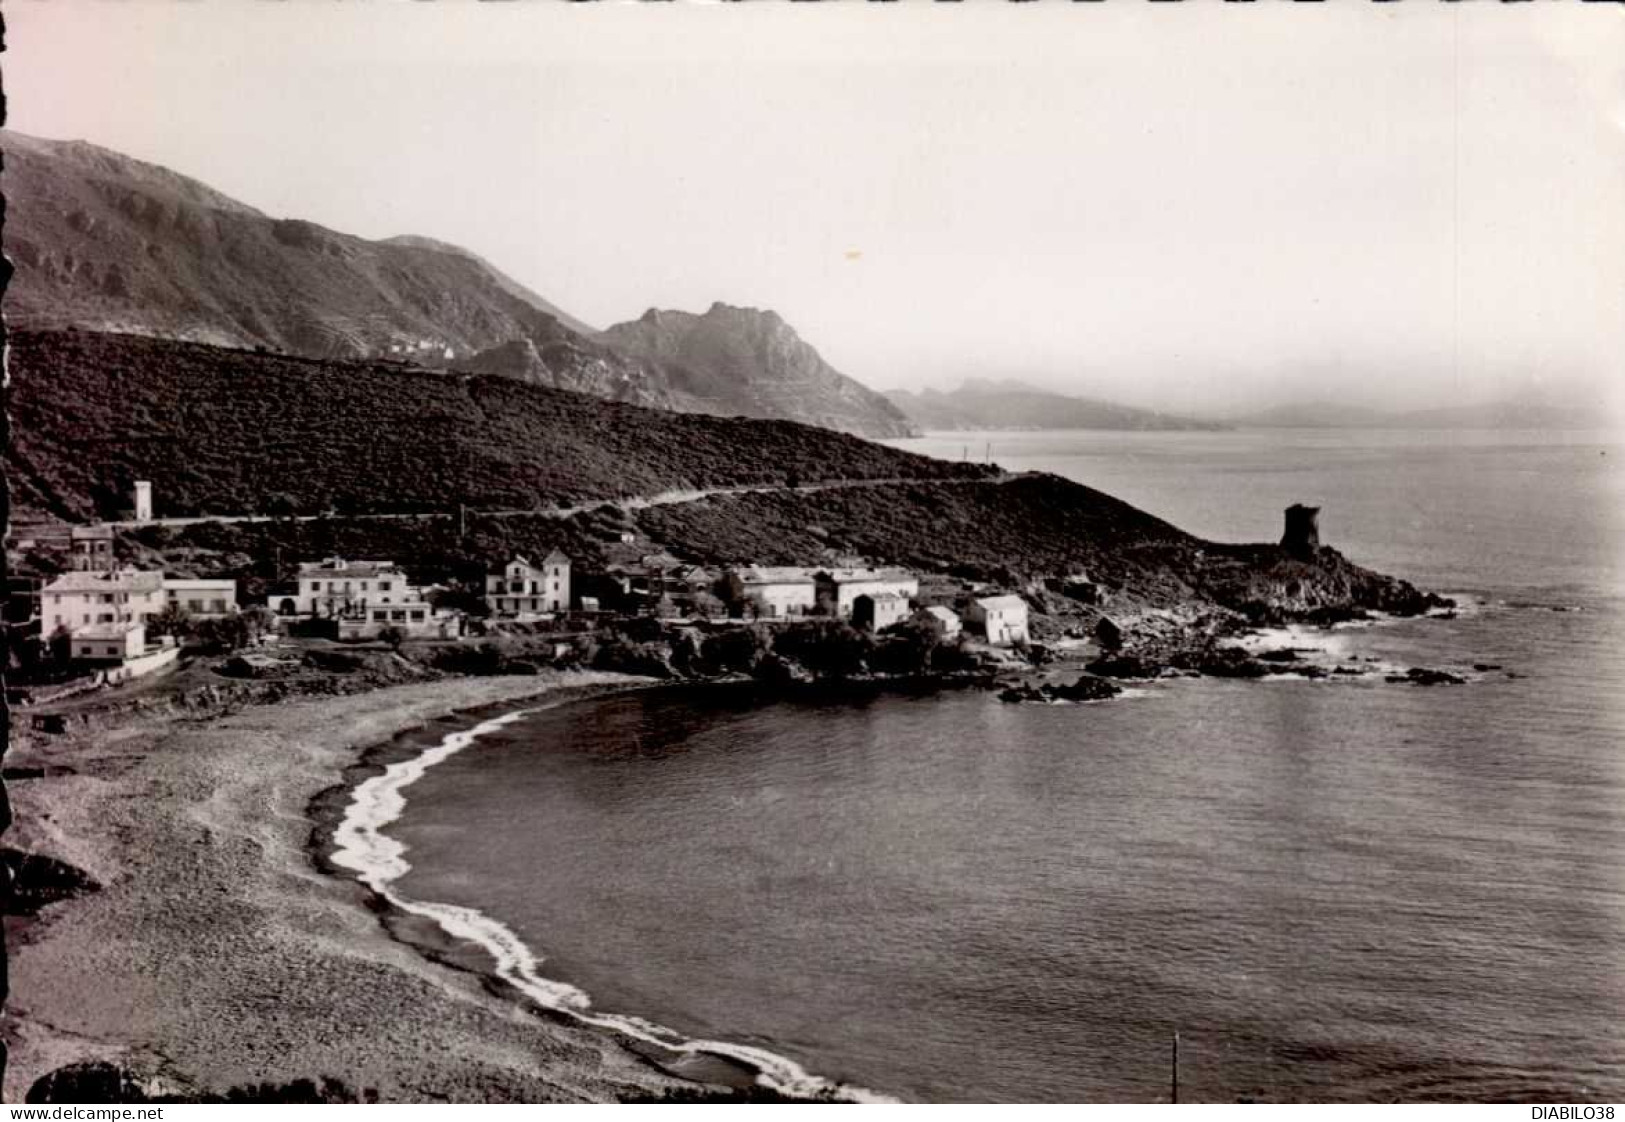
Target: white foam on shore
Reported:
[(1299, 637), (378, 861)]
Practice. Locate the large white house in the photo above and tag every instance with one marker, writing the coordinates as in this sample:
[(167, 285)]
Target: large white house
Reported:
[(336, 587), (839, 589), (1003, 619), (773, 592), (82, 599), (364, 598), (522, 589)]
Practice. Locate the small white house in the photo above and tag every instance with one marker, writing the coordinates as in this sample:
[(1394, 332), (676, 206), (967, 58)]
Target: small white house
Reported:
[(202, 599), (109, 643), (876, 611), (773, 592), (944, 621), (117, 652), (1003, 619)]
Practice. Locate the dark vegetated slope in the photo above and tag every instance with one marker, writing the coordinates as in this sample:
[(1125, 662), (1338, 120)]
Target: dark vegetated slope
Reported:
[(1038, 524), (1014, 532), (221, 431)]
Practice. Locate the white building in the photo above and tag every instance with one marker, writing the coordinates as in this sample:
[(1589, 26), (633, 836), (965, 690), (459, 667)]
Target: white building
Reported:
[(415, 618), (522, 589), (86, 599), (773, 592), (838, 589), (335, 587), (944, 621), (202, 599), (1003, 619), (92, 547), (108, 642), (365, 597), (117, 652), (876, 611)]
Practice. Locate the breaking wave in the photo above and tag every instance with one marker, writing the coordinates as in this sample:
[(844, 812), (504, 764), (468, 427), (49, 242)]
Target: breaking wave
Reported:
[(378, 861)]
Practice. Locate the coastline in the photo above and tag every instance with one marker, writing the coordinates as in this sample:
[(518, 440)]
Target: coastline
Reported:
[(240, 963), (261, 954), (348, 842)]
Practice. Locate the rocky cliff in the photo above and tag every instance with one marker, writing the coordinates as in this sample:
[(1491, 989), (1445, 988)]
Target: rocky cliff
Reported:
[(752, 363)]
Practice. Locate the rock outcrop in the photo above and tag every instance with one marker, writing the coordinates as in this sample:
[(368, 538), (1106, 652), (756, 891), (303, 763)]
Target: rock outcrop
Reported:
[(750, 362)]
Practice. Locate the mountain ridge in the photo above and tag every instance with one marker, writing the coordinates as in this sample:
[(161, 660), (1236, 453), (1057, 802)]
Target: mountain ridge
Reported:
[(106, 242), (768, 369), (989, 404), (1508, 414)]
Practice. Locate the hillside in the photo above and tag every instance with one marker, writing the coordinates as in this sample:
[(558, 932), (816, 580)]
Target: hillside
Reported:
[(109, 243), (980, 404), (223, 431), (751, 362)]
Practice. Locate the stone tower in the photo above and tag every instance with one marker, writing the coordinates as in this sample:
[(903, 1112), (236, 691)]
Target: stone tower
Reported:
[(143, 501), (1302, 535)]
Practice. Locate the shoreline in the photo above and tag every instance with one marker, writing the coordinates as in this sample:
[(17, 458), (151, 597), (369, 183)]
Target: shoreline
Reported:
[(241, 963), (208, 839), (348, 842)]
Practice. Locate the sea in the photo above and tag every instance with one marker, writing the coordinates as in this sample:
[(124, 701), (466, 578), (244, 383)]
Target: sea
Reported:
[(1336, 890)]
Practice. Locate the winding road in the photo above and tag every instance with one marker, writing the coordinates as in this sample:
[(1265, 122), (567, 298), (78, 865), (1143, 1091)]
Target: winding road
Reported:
[(625, 503)]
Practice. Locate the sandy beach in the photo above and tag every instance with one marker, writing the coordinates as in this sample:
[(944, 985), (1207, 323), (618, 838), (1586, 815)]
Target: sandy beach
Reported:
[(216, 954)]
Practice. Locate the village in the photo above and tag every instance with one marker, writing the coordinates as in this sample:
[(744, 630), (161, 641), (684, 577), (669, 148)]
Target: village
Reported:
[(102, 621)]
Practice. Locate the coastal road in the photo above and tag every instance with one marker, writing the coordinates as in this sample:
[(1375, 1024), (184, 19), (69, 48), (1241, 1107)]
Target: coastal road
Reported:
[(624, 503)]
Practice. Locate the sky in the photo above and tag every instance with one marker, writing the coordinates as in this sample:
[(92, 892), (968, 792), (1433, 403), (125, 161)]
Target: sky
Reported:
[(1196, 207)]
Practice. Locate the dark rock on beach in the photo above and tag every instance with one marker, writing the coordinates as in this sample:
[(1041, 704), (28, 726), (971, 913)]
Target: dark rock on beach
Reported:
[(1426, 676), (1124, 666), (1087, 688)]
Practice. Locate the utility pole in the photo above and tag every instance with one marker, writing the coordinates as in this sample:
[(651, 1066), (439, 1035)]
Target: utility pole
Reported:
[(1174, 1092)]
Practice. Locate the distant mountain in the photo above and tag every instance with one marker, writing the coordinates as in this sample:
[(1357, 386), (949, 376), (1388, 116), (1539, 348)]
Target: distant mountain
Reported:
[(752, 363), (1494, 415), (105, 242), (984, 404)]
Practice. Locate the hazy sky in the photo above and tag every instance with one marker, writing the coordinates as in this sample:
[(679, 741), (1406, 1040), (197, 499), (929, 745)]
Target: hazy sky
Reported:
[(1190, 206)]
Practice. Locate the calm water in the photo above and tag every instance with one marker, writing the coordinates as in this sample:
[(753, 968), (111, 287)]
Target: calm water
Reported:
[(1340, 890)]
